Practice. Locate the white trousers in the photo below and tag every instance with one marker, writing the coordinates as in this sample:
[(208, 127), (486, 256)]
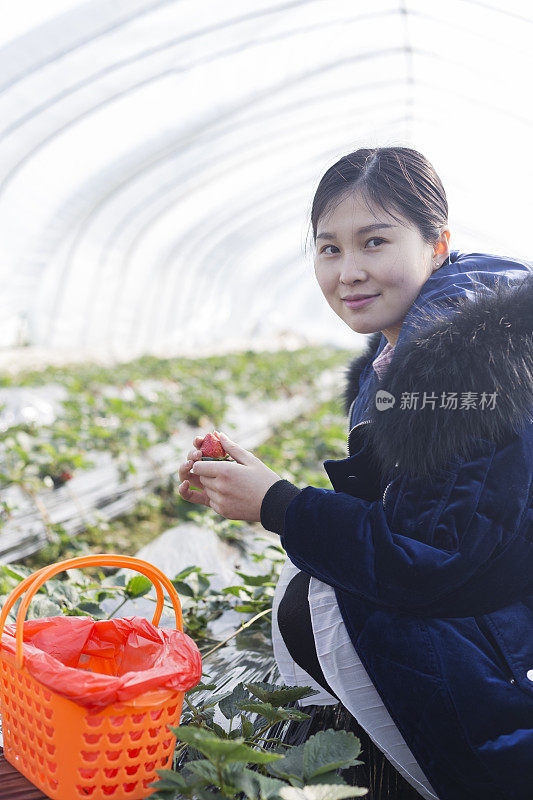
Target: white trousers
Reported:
[(345, 674)]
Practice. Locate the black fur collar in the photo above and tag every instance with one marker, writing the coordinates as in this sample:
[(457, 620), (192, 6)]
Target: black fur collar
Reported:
[(355, 368), (484, 345)]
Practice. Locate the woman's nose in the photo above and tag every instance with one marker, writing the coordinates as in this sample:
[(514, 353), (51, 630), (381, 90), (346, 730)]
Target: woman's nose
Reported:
[(350, 270)]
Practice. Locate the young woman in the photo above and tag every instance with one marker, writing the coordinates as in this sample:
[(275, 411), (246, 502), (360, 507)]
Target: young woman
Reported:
[(408, 588)]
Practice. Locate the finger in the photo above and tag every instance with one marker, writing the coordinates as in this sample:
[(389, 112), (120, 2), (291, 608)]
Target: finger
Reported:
[(199, 498), (184, 473), (238, 453), (209, 469), (194, 455), (184, 470), (206, 482)]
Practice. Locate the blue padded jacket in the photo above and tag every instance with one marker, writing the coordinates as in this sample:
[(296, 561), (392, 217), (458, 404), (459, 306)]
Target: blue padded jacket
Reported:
[(426, 535)]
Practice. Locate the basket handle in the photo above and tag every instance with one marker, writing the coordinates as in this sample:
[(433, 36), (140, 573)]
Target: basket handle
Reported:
[(33, 583)]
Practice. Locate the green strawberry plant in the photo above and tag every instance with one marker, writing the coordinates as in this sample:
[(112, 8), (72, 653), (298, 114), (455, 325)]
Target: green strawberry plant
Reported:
[(240, 761), (193, 391), (249, 373), (248, 760)]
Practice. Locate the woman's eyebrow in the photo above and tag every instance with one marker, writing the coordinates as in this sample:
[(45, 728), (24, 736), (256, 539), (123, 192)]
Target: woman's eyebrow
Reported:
[(366, 229)]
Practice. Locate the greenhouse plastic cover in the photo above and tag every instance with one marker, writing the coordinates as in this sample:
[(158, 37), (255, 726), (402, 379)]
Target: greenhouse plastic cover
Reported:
[(158, 158)]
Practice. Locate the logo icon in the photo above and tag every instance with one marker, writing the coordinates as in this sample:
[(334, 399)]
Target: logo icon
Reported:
[(384, 400)]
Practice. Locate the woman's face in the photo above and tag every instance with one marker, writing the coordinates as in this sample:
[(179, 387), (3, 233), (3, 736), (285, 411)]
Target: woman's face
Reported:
[(391, 261)]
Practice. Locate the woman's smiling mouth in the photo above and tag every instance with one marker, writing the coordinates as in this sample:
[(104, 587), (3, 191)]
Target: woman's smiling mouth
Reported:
[(364, 301)]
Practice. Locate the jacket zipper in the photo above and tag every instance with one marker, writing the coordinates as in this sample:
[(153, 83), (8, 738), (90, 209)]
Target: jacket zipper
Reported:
[(366, 422), (363, 422), (385, 494)]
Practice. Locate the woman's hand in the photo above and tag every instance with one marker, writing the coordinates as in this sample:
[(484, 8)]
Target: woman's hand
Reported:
[(234, 489), (189, 479)]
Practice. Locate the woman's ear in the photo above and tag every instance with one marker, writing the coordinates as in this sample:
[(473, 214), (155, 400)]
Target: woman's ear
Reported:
[(441, 250), (443, 244)]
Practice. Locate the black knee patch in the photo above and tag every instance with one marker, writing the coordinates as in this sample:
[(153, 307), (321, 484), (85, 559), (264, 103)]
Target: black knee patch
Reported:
[(294, 621)]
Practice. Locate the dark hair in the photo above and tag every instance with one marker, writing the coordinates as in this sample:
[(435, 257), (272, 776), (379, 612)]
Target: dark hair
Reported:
[(395, 178)]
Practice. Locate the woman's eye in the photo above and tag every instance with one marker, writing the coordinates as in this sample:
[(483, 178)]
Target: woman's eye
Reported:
[(377, 239)]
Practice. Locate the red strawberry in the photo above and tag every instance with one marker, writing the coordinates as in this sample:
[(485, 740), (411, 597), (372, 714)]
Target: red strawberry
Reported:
[(212, 447), (61, 479)]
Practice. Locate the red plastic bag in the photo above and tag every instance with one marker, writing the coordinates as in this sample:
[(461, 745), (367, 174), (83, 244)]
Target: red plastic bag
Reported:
[(96, 663)]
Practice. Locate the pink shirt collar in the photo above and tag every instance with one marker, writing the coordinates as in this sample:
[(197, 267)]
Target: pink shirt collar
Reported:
[(381, 362)]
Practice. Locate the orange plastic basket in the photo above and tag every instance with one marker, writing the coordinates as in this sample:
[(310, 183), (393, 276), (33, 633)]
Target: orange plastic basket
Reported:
[(61, 747)]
